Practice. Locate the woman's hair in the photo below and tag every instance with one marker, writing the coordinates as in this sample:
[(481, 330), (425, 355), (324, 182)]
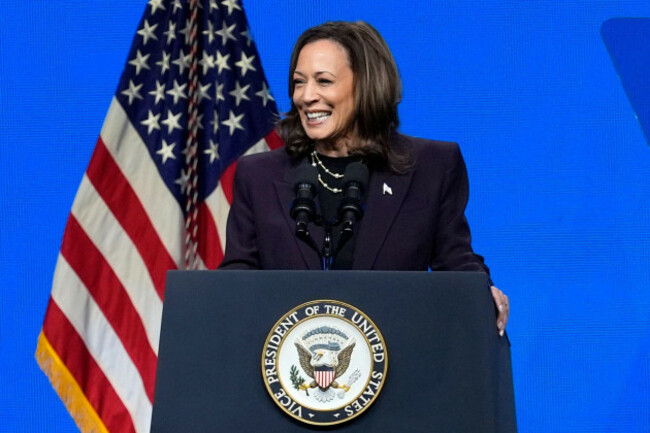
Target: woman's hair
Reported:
[(377, 91)]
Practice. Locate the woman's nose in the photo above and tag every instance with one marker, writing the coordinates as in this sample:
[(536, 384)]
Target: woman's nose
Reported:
[(309, 93)]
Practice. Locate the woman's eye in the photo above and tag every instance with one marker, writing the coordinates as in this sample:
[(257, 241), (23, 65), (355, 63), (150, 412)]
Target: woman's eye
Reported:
[(324, 81)]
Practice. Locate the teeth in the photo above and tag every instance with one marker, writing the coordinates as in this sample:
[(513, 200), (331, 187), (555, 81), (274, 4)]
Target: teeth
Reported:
[(314, 116)]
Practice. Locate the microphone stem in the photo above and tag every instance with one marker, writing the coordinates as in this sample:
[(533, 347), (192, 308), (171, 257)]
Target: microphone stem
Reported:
[(327, 248)]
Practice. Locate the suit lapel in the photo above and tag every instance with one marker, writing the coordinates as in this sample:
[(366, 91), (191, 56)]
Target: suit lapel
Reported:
[(286, 195), (386, 193)]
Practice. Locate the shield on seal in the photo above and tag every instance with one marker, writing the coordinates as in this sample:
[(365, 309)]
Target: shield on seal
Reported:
[(324, 376)]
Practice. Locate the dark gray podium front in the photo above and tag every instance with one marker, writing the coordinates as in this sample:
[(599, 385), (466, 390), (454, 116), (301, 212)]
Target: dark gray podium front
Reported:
[(448, 370)]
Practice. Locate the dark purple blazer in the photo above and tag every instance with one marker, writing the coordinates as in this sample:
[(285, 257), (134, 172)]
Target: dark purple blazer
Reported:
[(420, 224)]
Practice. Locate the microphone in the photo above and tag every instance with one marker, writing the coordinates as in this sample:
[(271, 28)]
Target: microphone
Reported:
[(350, 210), (303, 208)]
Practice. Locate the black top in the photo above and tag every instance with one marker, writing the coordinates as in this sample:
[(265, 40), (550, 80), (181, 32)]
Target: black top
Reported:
[(329, 205)]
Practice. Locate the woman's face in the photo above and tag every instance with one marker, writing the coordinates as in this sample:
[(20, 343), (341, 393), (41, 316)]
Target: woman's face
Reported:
[(324, 89)]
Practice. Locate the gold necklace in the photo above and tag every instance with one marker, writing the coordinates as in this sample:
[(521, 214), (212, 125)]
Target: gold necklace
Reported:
[(314, 162), (334, 190), (317, 160)]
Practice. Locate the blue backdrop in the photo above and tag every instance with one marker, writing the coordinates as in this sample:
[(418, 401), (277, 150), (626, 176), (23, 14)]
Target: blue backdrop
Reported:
[(558, 164)]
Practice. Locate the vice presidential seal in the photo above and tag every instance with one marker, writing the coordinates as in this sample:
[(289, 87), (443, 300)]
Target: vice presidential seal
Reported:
[(324, 362)]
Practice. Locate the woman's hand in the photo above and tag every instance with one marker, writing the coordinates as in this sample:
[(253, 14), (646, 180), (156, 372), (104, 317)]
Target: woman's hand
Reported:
[(503, 307)]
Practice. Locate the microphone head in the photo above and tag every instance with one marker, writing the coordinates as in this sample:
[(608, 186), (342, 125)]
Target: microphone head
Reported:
[(357, 172), (305, 173)]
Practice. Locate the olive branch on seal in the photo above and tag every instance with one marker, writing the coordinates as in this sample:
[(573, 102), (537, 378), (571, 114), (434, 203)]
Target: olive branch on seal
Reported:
[(296, 379)]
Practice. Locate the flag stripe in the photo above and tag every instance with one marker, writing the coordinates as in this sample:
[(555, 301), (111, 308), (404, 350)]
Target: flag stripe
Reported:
[(87, 375), (131, 155), (100, 225), (101, 341), (227, 181), (273, 140), (218, 206), (111, 297), (210, 248), (116, 191)]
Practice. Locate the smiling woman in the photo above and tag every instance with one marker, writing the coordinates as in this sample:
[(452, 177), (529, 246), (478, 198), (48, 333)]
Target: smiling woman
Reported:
[(345, 88), (354, 65), (323, 94)]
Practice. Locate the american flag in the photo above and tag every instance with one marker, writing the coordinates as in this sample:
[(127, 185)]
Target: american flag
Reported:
[(192, 99)]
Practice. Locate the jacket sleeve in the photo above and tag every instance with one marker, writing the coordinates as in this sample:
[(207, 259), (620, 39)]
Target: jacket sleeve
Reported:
[(453, 242), (241, 235)]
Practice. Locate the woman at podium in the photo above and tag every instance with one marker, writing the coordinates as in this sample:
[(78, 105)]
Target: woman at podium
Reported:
[(348, 191)]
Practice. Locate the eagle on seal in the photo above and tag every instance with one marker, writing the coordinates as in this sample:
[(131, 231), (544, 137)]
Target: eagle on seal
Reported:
[(325, 363)]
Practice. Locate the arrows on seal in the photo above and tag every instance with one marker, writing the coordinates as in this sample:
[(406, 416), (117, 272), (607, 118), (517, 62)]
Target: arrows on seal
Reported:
[(353, 378)]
